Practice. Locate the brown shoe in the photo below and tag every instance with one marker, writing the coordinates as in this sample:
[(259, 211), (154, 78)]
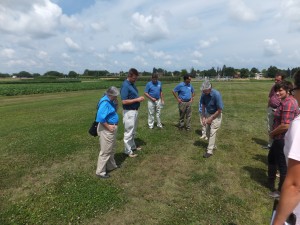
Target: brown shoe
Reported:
[(132, 155)]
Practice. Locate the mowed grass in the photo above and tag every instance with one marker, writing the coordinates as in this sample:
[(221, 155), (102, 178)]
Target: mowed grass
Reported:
[(48, 163)]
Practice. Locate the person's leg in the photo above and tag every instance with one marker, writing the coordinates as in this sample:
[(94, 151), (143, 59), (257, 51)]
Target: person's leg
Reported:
[(151, 111), (203, 128), (157, 108), (128, 121), (105, 149), (281, 162), (135, 125), (214, 127), (272, 166), (270, 122), (111, 163), (188, 115), (181, 107)]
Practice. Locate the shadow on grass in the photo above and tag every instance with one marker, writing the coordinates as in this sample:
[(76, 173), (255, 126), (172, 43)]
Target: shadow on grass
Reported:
[(257, 174), (121, 156), (261, 158), (202, 144), (260, 141), (199, 132), (139, 142)]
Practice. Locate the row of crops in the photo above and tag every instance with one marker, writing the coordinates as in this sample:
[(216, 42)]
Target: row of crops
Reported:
[(39, 88)]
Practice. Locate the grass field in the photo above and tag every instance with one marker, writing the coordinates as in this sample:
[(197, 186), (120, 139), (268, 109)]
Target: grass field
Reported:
[(48, 163)]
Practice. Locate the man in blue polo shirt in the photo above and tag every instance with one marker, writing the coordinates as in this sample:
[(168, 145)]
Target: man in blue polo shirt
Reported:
[(131, 103), (212, 106), (153, 91), (185, 94)]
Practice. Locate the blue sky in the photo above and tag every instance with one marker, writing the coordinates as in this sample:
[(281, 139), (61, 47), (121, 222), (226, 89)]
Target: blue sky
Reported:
[(115, 35)]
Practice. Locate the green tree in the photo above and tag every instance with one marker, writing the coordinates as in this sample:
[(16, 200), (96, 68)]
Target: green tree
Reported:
[(254, 70), (53, 74), (184, 72), (229, 72), (193, 72), (245, 73), (271, 71), (23, 74), (73, 74)]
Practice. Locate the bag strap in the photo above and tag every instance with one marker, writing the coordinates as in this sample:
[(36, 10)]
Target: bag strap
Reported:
[(98, 105)]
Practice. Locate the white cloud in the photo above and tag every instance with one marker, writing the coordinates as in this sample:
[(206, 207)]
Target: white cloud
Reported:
[(39, 20), (271, 47), (8, 53), (99, 26), (290, 10), (125, 47), (140, 60), (71, 44), (208, 43), (65, 55), (150, 28), (159, 54), (71, 22), (197, 54), (240, 11), (192, 23)]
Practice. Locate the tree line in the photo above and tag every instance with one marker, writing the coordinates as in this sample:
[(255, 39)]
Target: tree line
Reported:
[(213, 72)]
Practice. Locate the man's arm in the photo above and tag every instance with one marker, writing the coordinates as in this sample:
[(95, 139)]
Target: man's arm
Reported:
[(283, 127), (162, 97), (148, 96), (290, 194), (131, 101), (176, 96)]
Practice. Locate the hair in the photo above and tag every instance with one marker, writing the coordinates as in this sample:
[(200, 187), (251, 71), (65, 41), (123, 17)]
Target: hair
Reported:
[(297, 79), (112, 91), (132, 72), (280, 74), (206, 85), (185, 77), (154, 75), (285, 85)]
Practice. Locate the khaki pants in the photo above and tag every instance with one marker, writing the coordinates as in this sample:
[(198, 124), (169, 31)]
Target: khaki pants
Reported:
[(130, 121), (106, 160), (203, 128), (211, 132), (154, 108), (185, 111)]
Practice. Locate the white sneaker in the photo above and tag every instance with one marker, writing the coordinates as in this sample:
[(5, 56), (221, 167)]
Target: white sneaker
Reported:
[(204, 137), (275, 194)]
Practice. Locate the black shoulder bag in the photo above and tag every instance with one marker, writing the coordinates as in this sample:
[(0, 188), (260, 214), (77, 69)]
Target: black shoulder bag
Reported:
[(93, 129)]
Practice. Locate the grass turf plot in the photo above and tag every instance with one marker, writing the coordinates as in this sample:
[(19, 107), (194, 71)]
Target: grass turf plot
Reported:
[(48, 163)]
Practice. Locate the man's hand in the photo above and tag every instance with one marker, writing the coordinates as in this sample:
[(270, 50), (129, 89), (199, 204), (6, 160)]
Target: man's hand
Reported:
[(209, 120), (140, 99), (111, 128)]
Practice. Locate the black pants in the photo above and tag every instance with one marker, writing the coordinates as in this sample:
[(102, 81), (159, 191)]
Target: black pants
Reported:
[(276, 159)]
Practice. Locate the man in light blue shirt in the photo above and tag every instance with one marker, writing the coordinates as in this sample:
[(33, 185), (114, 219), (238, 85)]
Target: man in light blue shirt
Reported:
[(212, 106), (153, 91), (185, 95)]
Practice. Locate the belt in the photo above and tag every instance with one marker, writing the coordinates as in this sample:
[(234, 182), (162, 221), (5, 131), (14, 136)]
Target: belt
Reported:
[(185, 100), (112, 123)]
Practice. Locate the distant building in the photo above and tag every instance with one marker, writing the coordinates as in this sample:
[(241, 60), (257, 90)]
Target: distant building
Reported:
[(258, 76)]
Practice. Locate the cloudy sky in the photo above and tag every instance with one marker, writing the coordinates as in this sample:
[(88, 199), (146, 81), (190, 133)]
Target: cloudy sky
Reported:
[(114, 35)]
